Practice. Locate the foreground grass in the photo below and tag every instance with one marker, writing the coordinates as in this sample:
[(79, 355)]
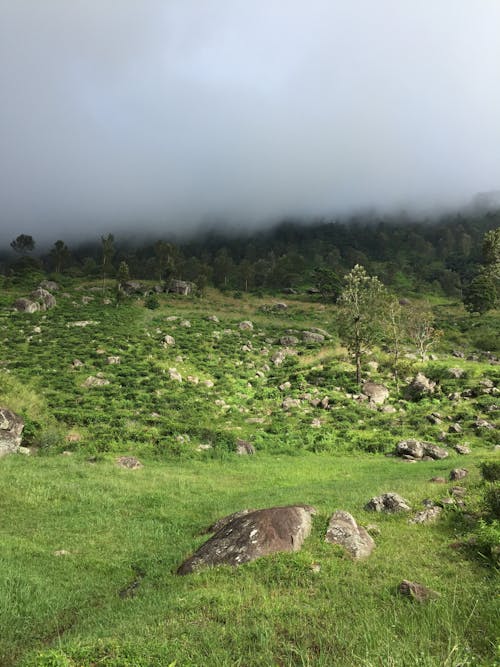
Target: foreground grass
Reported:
[(127, 531)]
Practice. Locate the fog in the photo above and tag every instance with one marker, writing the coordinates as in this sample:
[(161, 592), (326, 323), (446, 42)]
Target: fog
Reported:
[(146, 115)]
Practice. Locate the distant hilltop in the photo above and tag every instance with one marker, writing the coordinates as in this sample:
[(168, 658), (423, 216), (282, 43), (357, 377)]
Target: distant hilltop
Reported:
[(486, 201)]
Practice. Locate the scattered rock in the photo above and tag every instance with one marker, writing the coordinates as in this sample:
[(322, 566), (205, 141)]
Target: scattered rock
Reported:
[(11, 428), (289, 403), (168, 340), (312, 337), (344, 531), (426, 516), (420, 386), (388, 502), (388, 409), (377, 393), (26, 306), (62, 552), (244, 448), (246, 325), (76, 363), (129, 462), (174, 375), (419, 450), (434, 418), (49, 285), (181, 287), (285, 386), (438, 480), (462, 449), (113, 360), (256, 534), (44, 298), (93, 381), (416, 592), (458, 473), (213, 318), (482, 423), (456, 372), (289, 340), (455, 428), (81, 323)]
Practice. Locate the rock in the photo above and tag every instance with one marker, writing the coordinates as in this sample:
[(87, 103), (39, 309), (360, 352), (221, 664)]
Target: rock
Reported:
[(93, 381), (377, 393), (213, 318), (44, 298), (426, 516), (49, 285), (203, 447), (420, 386), (181, 287), (416, 592), (194, 379), (244, 448), (168, 340), (11, 428), (312, 337), (458, 473), (344, 531), (438, 480), (420, 450), (113, 360), (289, 340), (133, 287), (458, 354), (87, 299), (435, 418), (456, 372), (129, 462), (26, 306), (207, 383), (61, 552), (388, 409), (455, 428), (174, 375), (454, 396), (316, 423), (404, 302), (24, 450), (246, 325), (387, 502), (279, 306), (278, 357), (458, 491), (255, 534), (285, 386), (76, 363), (482, 423), (81, 323), (435, 452), (289, 403), (372, 365), (185, 323), (462, 449)]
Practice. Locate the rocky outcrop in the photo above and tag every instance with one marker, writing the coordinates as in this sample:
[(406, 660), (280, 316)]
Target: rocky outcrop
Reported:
[(44, 298), (49, 285), (11, 428), (246, 537), (377, 393), (26, 306), (129, 462), (95, 381), (387, 502), (344, 531), (181, 287), (312, 337)]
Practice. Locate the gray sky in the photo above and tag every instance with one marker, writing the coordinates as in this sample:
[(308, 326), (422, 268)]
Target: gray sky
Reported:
[(136, 114)]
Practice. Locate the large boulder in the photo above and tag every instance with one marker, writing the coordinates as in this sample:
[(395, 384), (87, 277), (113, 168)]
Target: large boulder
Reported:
[(377, 393), (44, 298), (26, 306), (419, 387), (243, 538), (11, 428), (387, 502), (344, 531), (49, 285), (417, 449), (312, 337)]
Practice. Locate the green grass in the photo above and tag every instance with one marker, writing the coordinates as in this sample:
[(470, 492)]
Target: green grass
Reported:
[(117, 523), (133, 528)]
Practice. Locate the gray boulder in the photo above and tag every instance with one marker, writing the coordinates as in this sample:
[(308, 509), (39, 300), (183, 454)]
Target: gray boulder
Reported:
[(427, 515), (344, 531), (458, 473), (11, 428), (181, 287), (377, 393), (49, 285), (244, 448), (312, 337), (246, 537), (289, 340), (419, 387), (417, 449), (26, 306), (44, 298), (387, 502), (416, 592)]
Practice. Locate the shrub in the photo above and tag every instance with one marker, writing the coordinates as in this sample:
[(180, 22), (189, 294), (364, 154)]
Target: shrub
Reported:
[(152, 302), (490, 470)]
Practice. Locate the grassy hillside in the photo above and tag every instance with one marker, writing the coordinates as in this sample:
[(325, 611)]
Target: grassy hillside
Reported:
[(113, 598)]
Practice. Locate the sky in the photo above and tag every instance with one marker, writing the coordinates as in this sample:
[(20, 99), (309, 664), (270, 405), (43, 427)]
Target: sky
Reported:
[(166, 115)]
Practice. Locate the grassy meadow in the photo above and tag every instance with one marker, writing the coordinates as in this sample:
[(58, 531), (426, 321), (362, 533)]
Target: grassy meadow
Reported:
[(89, 551)]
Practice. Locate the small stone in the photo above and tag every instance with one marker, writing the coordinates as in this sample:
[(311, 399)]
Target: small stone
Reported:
[(344, 531), (458, 473), (438, 480), (62, 552), (462, 449), (416, 592), (129, 462), (243, 448), (388, 502)]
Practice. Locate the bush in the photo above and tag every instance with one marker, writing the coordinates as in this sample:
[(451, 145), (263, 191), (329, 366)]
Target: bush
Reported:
[(152, 302), (490, 470)]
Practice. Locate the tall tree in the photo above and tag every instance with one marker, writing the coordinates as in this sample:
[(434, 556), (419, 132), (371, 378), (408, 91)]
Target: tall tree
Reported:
[(483, 292), (420, 328), (362, 304), (59, 255), (23, 243), (166, 258), (108, 250)]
